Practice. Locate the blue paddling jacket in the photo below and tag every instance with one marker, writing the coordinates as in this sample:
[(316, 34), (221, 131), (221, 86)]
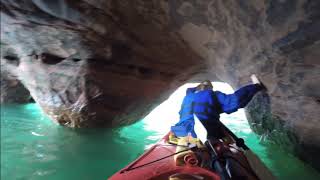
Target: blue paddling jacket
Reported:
[(186, 122), (207, 105)]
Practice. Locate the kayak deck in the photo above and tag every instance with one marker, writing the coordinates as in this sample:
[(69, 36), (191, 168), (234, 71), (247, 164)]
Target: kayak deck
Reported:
[(163, 168), (226, 157)]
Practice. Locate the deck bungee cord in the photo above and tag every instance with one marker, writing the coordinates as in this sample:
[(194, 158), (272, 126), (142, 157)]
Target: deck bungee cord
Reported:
[(133, 168)]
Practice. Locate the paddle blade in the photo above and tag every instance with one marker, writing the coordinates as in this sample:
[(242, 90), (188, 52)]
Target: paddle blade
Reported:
[(200, 130), (258, 166)]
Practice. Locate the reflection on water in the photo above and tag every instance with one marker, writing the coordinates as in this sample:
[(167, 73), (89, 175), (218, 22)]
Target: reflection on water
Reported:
[(33, 147)]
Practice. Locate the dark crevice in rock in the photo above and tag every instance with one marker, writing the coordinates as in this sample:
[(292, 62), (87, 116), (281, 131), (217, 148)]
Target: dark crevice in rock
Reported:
[(50, 59), (31, 100), (12, 59), (76, 59)]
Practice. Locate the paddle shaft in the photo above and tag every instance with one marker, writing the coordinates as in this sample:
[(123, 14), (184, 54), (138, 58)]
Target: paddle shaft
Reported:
[(239, 141)]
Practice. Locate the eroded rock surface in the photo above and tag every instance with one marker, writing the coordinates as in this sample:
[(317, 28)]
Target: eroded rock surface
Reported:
[(94, 63), (12, 90), (279, 41)]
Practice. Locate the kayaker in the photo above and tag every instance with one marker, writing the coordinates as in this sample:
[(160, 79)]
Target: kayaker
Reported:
[(207, 105)]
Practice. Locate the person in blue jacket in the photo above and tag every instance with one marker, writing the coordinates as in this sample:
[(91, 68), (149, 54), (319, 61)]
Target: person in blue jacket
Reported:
[(207, 105)]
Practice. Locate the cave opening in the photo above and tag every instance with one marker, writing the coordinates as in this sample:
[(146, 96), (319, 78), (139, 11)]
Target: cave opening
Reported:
[(167, 113)]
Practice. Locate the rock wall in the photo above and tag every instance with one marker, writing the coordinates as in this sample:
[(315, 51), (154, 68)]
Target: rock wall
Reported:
[(94, 63), (12, 90)]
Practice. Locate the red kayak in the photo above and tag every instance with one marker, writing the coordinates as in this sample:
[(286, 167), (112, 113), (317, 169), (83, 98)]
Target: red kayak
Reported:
[(163, 168), (217, 159)]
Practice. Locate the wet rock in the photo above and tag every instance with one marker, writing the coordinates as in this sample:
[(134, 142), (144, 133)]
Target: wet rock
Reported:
[(290, 136), (12, 90)]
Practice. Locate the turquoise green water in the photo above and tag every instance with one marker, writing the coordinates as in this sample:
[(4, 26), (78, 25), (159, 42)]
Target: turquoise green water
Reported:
[(33, 147)]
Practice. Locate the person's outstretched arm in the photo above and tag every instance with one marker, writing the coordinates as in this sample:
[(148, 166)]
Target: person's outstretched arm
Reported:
[(232, 102)]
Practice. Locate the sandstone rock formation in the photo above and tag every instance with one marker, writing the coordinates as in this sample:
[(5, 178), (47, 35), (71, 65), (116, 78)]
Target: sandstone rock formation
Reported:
[(93, 62), (87, 63)]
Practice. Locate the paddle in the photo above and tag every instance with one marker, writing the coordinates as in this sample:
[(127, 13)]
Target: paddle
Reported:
[(259, 168), (202, 133), (200, 130)]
